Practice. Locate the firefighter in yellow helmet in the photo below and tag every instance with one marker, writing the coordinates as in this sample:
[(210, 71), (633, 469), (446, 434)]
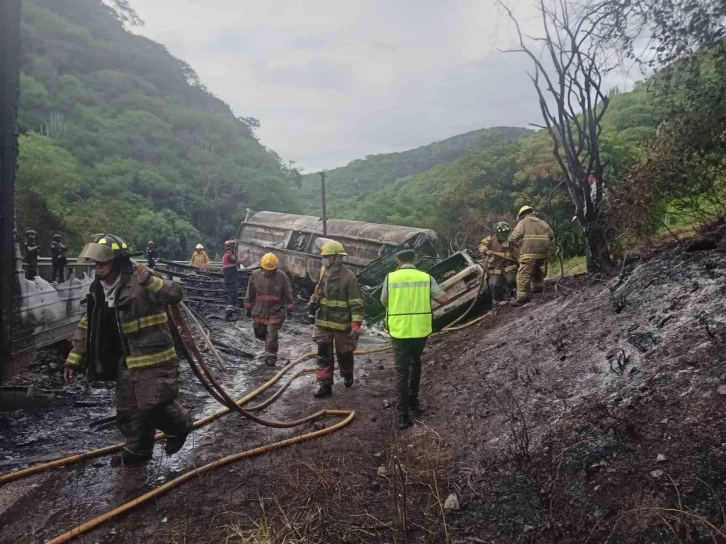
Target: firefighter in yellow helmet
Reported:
[(500, 261), (124, 336), (268, 302), (338, 318), (532, 237)]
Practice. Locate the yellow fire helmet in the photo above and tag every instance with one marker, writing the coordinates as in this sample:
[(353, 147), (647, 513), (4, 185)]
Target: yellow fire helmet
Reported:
[(332, 248), (268, 261), (525, 209), (106, 248)]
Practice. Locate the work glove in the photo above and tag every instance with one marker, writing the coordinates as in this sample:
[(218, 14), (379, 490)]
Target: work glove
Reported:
[(248, 312), (143, 273), (355, 330), (312, 310)]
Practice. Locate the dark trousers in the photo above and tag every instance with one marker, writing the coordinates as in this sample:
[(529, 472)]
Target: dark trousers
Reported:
[(31, 272), (59, 266), (407, 353), (146, 401), (230, 289)]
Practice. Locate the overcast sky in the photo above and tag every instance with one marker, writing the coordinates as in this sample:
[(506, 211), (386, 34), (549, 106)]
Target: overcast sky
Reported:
[(335, 80)]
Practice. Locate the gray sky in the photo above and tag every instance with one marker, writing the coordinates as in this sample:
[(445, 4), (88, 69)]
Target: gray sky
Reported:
[(335, 80)]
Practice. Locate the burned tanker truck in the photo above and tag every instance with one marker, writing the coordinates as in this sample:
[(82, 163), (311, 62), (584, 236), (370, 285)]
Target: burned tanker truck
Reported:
[(371, 248)]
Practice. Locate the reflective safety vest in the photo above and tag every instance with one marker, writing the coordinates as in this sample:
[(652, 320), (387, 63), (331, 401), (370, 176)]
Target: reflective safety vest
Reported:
[(409, 313)]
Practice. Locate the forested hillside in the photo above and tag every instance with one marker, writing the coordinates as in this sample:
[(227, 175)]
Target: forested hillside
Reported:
[(347, 184), (118, 135), (462, 198)]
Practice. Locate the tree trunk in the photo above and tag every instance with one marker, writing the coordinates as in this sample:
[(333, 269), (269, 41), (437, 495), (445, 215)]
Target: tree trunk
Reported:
[(598, 253)]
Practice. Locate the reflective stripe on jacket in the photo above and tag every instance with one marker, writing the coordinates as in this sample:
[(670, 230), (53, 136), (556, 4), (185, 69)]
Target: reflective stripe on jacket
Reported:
[(499, 257), (269, 297), (141, 323), (409, 313), (340, 299), (532, 236)]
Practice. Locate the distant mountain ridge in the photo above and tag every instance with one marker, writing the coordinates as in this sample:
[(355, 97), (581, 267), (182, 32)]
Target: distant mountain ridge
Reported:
[(346, 185)]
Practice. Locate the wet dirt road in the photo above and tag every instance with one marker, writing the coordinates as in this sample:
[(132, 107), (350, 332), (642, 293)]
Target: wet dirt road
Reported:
[(56, 421)]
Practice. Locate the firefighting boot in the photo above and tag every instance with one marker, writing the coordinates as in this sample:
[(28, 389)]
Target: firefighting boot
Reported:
[(404, 422), (270, 360), (414, 406), (175, 443), (325, 390), (127, 457), (229, 315), (520, 302)]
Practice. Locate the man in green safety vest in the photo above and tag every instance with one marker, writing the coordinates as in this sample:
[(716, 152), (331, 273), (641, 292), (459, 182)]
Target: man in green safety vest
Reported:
[(407, 295)]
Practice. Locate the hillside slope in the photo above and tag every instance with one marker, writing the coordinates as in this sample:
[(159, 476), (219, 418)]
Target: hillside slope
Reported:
[(119, 135), (346, 185)]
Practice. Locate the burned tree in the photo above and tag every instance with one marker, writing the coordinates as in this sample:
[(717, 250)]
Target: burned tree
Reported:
[(568, 79)]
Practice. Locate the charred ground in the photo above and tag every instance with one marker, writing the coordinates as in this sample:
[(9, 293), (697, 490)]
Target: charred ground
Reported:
[(595, 414)]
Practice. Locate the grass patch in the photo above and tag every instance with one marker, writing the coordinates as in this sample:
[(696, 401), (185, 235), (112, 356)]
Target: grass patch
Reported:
[(574, 265)]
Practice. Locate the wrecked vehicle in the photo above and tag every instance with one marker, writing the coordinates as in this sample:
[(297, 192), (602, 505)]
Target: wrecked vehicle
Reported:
[(371, 249), (43, 313), (294, 239), (460, 276)]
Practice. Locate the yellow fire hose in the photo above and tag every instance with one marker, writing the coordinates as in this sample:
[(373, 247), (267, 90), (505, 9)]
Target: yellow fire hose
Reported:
[(215, 389)]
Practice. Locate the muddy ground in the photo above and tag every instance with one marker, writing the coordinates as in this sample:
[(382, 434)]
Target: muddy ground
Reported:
[(594, 414)]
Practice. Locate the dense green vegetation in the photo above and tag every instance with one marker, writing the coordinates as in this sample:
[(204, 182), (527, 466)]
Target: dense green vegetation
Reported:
[(120, 136), (346, 185), (462, 198)]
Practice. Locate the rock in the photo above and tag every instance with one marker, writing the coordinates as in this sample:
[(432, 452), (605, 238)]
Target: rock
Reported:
[(318, 425), (664, 421), (722, 390), (382, 471), (164, 520), (661, 458), (381, 367), (656, 473), (377, 454), (527, 528), (369, 361), (31, 392), (386, 403), (374, 418), (451, 502)]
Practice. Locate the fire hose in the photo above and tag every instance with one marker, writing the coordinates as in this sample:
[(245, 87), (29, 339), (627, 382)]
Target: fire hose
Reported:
[(215, 389)]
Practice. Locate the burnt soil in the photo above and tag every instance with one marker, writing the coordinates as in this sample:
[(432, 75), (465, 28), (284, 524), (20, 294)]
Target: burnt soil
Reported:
[(594, 414)]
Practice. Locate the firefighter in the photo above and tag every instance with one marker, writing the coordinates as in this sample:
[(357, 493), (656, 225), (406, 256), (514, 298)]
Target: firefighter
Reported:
[(199, 259), (229, 269), (268, 302), (124, 335), (407, 294), (58, 259), (499, 261), (31, 254), (337, 320), (532, 237), (151, 254)]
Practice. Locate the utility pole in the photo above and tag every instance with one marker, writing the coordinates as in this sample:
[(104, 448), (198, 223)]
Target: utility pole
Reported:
[(325, 213), (9, 85)]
